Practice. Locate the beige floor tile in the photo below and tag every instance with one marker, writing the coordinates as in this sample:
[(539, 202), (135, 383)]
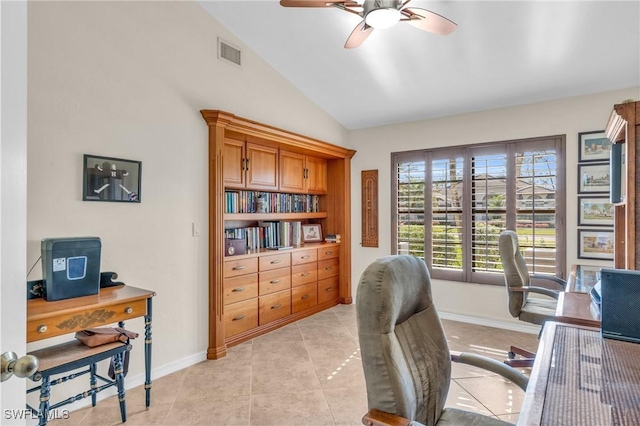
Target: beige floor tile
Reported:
[(325, 317), (511, 418), (324, 331), (219, 411), (337, 364), (231, 380), (69, 418), (279, 352), (460, 371), (347, 405), (276, 378), (286, 333), (463, 400), (295, 409), (241, 352), (495, 393)]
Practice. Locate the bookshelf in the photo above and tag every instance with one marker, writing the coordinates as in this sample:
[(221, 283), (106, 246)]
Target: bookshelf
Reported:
[(304, 180)]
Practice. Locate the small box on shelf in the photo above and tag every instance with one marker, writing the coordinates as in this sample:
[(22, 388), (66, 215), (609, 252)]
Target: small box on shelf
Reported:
[(234, 247), (332, 238)]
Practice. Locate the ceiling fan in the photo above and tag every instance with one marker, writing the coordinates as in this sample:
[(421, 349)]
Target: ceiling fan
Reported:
[(381, 14)]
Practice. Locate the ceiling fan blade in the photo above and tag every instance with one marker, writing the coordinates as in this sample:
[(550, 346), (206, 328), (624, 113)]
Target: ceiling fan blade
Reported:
[(314, 3), (358, 35), (429, 21)]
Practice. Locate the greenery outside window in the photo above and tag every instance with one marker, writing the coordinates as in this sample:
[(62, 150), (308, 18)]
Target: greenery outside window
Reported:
[(450, 205)]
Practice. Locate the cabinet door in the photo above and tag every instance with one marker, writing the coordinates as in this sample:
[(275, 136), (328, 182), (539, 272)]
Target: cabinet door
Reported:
[(234, 176), (316, 175), (262, 167), (292, 172)]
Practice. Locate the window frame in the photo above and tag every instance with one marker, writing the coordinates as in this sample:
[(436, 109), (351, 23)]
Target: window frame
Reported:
[(468, 152)]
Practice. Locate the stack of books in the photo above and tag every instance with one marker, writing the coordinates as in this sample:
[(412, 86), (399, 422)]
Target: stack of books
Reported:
[(332, 238)]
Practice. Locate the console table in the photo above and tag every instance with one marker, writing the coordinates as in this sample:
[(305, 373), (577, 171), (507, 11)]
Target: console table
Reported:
[(574, 304), (112, 304), (579, 378)]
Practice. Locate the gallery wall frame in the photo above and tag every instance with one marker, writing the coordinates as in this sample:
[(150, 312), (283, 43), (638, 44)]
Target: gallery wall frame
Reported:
[(595, 211), (593, 146), (594, 178), (111, 179), (595, 244)]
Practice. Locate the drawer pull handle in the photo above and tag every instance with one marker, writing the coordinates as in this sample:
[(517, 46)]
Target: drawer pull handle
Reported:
[(239, 317), (42, 328), (328, 288), (274, 281), (305, 297), (305, 257), (238, 268), (128, 310), (238, 289), (328, 253), (273, 262), (305, 274), (328, 268), (276, 306)]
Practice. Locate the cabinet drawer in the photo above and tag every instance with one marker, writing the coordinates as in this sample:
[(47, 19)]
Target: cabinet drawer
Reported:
[(328, 289), (240, 288), (267, 263), (304, 256), (304, 274), (233, 268), (328, 252), (328, 268), (274, 306), (275, 280), (39, 329), (303, 297), (241, 316)]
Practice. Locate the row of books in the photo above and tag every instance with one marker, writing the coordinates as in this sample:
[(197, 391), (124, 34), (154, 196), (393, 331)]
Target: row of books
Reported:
[(268, 234), (270, 202)]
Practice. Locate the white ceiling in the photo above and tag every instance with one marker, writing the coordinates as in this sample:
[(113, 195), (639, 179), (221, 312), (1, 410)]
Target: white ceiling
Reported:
[(503, 53)]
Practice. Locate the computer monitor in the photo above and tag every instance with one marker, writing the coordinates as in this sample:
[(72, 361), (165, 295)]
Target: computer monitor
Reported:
[(620, 305)]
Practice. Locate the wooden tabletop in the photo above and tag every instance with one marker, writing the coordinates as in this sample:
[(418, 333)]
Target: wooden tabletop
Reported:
[(577, 308)]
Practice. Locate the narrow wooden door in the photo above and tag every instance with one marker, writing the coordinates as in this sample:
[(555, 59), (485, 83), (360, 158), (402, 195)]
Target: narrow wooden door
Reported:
[(292, 172), (234, 159), (316, 175), (262, 167)]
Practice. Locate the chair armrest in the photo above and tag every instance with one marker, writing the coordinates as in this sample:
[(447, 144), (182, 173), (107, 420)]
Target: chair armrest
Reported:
[(492, 365), (562, 283), (377, 417), (540, 290)]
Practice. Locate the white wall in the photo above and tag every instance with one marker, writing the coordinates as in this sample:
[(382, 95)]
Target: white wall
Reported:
[(127, 80), (375, 145)]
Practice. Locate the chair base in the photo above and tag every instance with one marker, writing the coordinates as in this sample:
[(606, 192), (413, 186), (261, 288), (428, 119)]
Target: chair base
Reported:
[(525, 362)]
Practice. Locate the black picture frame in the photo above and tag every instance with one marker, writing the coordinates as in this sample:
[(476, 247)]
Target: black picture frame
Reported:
[(593, 146), (111, 179), (595, 244), (311, 232), (595, 211), (594, 178)]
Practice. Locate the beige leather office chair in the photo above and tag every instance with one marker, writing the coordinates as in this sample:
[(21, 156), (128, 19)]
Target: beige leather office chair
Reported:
[(534, 310), (406, 360)]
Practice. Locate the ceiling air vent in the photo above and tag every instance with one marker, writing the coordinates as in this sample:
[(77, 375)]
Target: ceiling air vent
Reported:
[(229, 53)]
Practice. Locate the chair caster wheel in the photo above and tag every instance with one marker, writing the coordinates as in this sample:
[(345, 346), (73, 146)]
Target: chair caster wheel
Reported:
[(511, 355)]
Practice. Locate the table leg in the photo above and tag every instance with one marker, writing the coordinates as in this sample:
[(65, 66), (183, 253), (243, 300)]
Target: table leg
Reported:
[(147, 351)]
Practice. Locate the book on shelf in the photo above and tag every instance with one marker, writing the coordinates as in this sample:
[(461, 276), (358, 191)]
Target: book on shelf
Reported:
[(332, 238), (270, 202)]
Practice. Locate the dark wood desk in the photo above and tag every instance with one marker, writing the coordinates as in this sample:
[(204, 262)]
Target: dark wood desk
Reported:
[(110, 305), (579, 378), (574, 304)]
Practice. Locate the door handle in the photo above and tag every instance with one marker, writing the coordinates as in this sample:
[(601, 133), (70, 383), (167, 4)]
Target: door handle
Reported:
[(25, 366)]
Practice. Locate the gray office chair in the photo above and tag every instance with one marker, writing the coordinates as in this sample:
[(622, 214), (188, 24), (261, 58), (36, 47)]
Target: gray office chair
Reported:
[(534, 310), (406, 360)]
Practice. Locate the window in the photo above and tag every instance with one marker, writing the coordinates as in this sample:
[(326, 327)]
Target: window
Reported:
[(451, 204)]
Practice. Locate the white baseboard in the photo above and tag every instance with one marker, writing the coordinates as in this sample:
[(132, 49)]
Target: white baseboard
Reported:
[(523, 328)]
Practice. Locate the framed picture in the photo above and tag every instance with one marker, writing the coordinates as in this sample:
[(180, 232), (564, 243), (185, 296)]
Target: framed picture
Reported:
[(594, 178), (594, 146), (111, 179), (595, 211), (586, 277), (595, 244), (311, 233)]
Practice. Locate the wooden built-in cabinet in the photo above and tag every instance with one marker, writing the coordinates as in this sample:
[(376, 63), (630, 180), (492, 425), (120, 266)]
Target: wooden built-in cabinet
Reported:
[(301, 173), (624, 127), (262, 290)]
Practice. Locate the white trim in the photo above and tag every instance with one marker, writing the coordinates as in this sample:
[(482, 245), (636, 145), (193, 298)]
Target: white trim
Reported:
[(523, 328)]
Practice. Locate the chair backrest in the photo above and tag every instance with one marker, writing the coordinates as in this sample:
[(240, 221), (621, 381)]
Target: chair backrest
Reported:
[(404, 350), (515, 269)]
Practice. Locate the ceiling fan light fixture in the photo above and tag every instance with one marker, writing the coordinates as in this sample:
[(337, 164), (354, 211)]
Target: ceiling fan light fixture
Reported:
[(382, 18)]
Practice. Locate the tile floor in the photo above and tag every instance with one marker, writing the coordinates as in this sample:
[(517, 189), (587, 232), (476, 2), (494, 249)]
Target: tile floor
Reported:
[(307, 373)]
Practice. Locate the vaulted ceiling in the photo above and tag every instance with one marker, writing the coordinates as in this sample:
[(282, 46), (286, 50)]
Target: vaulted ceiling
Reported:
[(502, 53)]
